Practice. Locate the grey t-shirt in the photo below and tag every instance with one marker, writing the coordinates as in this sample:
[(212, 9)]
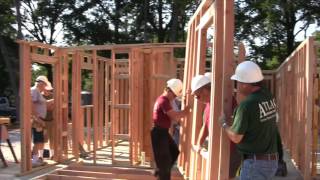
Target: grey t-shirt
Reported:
[(39, 102)]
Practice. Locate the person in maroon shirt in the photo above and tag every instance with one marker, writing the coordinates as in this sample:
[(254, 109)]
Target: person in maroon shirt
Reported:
[(165, 150)]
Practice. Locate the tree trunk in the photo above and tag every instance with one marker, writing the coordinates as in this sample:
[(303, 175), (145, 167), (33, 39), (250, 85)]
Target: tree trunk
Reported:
[(19, 35), (161, 33), (145, 20), (175, 16)]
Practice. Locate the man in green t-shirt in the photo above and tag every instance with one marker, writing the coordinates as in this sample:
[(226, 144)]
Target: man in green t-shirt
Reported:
[(254, 128)]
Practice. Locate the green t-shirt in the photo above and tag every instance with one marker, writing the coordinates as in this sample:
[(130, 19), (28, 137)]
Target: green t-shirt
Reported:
[(255, 118)]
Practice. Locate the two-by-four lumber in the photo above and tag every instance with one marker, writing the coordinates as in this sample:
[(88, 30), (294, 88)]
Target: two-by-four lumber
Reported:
[(58, 108), (76, 102), (101, 102), (315, 126), (25, 108), (65, 101), (188, 74), (227, 90), (108, 68), (95, 105), (222, 45), (310, 70), (200, 63), (109, 175), (88, 111), (66, 177)]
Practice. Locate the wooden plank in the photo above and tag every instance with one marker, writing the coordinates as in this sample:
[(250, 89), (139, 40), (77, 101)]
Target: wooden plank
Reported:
[(112, 169), (4, 120), (227, 90), (186, 98), (81, 125), (95, 105), (108, 175), (107, 102), (128, 100), (65, 103), (315, 127), (102, 104), (89, 122), (76, 88), (121, 76), (43, 59), (121, 106), (113, 113), (201, 8), (66, 177), (25, 106), (206, 19), (310, 70), (115, 46), (125, 137), (161, 76), (213, 162), (58, 110), (39, 44), (198, 107)]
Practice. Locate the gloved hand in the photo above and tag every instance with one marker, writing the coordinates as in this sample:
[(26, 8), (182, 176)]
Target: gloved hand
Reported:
[(196, 148), (223, 121)]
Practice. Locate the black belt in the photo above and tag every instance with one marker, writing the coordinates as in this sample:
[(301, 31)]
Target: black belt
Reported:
[(160, 128), (273, 156)]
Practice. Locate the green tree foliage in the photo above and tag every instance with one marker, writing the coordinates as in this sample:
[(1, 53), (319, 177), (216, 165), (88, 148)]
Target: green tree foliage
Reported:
[(43, 19), (127, 21), (8, 51), (7, 19), (268, 26), (97, 22)]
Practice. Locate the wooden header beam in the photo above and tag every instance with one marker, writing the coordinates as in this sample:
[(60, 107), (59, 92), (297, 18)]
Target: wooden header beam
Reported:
[(124, 46)]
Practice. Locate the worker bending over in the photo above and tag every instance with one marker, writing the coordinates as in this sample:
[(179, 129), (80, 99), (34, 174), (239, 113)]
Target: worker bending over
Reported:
[(201, 90)]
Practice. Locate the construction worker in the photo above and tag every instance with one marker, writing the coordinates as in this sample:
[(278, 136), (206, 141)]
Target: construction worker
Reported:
[(39, 113), (254, 128), (201, 89), (165, 150)]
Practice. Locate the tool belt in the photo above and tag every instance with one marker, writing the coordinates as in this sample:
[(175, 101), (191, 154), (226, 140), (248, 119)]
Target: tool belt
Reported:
[(35, 124), (273, 156)]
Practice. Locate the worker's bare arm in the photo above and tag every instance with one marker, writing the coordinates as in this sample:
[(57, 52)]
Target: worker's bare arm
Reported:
[(178, 114)]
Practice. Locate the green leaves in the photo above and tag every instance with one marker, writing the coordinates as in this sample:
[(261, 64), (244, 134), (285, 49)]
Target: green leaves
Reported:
[(270, 27)]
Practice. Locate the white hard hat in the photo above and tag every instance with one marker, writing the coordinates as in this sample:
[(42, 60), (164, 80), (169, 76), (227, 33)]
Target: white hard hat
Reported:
[(198, 82), (42, 79), (248, 72), (49, 86), (176, 86), (208, 74)]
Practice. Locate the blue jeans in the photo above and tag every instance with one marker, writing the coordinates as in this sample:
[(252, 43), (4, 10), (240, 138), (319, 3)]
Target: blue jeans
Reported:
[(258, 169)]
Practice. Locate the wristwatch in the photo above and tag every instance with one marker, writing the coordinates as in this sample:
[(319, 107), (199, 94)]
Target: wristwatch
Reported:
[(224, 125)]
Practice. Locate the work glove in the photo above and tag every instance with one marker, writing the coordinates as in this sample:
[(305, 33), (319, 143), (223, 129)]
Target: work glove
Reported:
[(196, 148)]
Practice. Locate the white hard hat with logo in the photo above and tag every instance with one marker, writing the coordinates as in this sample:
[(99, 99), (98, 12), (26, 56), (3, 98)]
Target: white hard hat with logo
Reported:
[(42, 79), (248, 72), (198, 82), (176, 86)]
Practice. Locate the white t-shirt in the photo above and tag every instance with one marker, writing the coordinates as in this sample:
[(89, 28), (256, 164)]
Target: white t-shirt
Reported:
[(39, 102)]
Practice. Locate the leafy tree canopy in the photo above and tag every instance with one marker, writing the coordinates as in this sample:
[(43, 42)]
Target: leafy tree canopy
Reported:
[(268, 26)]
